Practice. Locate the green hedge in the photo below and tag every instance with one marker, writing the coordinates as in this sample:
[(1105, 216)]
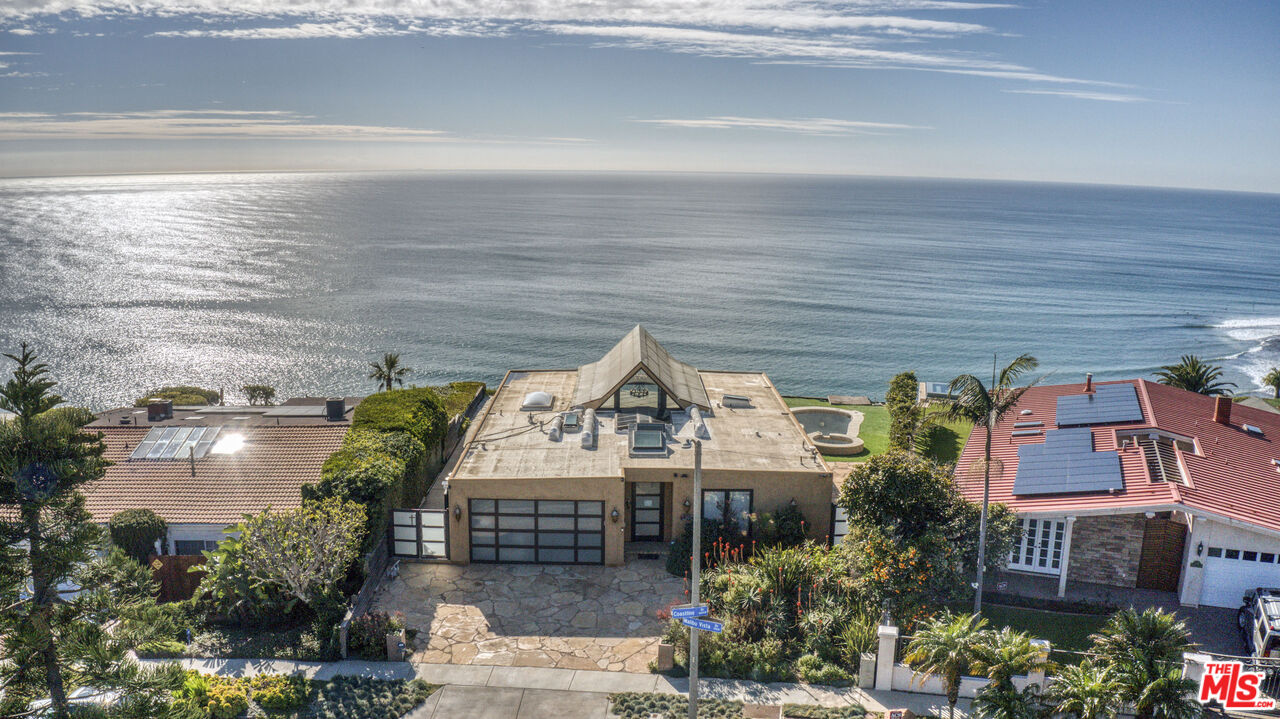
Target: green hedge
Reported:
[(417, 411), (136, 531)]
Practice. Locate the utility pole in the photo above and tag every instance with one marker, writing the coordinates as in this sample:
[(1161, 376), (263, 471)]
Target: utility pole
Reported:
[(696, 574)]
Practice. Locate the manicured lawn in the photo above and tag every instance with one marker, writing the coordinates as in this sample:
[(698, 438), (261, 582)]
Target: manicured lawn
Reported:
[(874, 432), (1064, 631)]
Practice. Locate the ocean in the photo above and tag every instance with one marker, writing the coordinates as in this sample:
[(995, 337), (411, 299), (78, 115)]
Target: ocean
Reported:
[(830, 285)]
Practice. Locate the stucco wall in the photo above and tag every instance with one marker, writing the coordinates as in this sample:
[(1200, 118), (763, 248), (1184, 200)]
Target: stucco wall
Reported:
[(1106, 550)]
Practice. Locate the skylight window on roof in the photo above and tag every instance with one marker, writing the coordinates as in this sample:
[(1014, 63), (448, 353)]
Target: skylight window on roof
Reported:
[(229, 443), (648, 438), (1252, 429)]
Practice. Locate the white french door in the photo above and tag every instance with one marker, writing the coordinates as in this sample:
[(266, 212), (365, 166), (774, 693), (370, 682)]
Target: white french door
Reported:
[(1039, 547)]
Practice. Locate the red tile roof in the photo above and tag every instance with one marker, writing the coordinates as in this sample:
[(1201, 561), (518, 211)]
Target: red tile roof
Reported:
[(1232, 476), (268, 471)]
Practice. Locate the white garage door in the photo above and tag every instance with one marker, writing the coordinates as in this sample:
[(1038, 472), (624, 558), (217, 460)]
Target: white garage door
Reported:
[(1230, 572)]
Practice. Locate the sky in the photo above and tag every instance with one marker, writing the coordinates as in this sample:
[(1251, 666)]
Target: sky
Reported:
[(1174, 93)]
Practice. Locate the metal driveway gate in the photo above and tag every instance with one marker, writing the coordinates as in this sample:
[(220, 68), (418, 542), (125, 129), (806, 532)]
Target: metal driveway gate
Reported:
[(420, 533)]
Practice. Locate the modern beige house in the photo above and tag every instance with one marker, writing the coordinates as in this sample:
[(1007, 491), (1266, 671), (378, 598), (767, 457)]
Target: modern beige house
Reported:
[(571, 466)]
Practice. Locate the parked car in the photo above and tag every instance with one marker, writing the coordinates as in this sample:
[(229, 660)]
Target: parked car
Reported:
[(1259, 621)]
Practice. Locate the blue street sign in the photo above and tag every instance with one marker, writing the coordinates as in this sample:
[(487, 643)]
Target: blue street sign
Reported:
[(706, 625), (690, 610)]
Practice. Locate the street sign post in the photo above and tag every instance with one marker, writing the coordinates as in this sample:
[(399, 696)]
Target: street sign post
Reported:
[(690, 610), (696, 560), (706, 625)]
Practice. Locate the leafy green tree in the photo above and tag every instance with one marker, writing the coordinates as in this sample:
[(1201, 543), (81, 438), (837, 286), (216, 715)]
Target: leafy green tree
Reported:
[(1084, 691), (259, 394), (183, 394), (1194, 375), (136, 532), (44, 457), (1142, 652), (305, 551), (904, 411), (985, 407), (915, 533), (1272, 380), (946, 647), (388, 371)]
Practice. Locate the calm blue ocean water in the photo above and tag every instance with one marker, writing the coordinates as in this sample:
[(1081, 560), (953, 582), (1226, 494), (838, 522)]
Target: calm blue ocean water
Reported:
[(829, 285)]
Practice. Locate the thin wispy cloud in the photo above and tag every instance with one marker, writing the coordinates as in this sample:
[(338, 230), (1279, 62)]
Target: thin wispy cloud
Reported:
[(851, 34), (198, 125), (807, 126), (1085, 95)]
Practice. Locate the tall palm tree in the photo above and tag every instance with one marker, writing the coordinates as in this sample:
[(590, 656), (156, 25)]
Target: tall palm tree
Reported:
[(1194, 375), (985, 407), (1000, 655), (946, 646), (1084, 691), (388, 370), (994, 702), (1142, 653), (1273, 380)]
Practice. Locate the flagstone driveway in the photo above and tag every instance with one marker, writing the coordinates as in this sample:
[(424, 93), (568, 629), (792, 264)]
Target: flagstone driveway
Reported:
[(570, 617)]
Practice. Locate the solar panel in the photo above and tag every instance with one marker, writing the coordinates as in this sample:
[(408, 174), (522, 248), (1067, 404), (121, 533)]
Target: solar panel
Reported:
[(1066, 464), (175, 443), (1108, 403), (295, 410)]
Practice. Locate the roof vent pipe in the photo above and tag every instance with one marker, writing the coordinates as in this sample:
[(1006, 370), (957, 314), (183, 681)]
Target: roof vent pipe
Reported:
[(335, 409), (1088, 381), (557, 428), (589, 428), (1222, 410), (699, 426)]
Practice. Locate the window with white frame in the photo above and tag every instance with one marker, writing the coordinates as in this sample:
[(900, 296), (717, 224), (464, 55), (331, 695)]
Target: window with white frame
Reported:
[(1039, 546)]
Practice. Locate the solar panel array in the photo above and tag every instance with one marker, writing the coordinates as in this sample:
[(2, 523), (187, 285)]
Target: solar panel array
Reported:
[(1066, 464), (1108, 403), (176, 443)]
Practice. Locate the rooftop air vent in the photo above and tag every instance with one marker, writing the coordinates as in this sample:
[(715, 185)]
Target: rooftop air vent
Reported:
[(159, 410), (335, 409), (572, 421), (1025, 433), (537, 400), (589, 428), (735, 400)]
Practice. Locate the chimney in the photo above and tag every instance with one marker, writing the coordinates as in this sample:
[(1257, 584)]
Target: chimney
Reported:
[(1088, 381), (335, 409), (159, 410), (1222, 410)]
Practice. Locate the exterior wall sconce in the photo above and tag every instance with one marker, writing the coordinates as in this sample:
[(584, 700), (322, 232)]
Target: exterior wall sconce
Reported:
[(614, 515), (687, 503), (1200, 549), (793, 501), (457, 512)]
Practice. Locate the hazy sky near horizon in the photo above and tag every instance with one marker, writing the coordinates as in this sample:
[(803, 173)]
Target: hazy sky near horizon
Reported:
[(1175, 93)]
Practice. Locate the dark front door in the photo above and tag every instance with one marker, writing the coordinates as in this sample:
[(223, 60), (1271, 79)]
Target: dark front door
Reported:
[(1161, 562), (646, 511)]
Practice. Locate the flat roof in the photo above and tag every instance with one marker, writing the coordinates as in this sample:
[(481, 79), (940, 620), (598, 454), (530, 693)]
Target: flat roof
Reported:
[(292, 412), (514, 444)]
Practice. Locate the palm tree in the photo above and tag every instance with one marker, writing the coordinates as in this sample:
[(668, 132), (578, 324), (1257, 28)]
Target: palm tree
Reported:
[(388, 370), (946, 646), (993, 702), (985, 407), (1084, 691), (1194, 375), (1273, 380), (1000, 655), (1142, 653)]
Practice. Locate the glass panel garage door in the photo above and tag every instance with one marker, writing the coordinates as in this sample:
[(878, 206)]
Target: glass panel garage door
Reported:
[(537, 531)]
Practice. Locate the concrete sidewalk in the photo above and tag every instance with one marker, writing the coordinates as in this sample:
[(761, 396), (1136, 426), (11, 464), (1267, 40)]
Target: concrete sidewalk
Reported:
[(483, 692)]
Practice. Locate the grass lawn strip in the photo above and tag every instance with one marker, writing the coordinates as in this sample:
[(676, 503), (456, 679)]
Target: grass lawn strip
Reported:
[(810, 711), (643, 705), (1065, 631)]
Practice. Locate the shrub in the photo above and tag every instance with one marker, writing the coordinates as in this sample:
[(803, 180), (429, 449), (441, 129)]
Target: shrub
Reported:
[(363, 697), (643, 705), (904, 413), (417, 411), (368, 632), (783, 527), (183, 394), (136, 531), (279, 692), (227, 700), (813, 669)]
